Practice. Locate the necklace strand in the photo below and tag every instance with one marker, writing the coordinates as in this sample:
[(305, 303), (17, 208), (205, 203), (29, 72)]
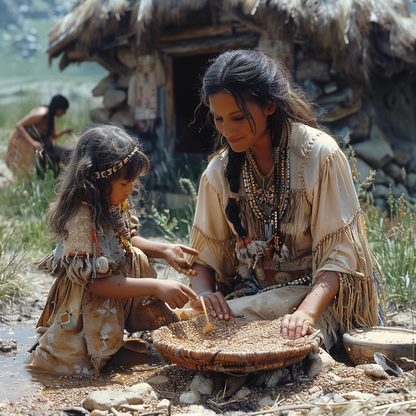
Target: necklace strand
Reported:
[(269, 203)]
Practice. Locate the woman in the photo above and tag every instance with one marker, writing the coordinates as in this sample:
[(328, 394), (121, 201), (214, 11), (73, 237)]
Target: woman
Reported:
[(34, 135), (277, 213)]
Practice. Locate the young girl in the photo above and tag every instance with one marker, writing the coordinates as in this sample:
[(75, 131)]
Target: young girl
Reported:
[(34, 135), (104, 282), (277, 212)]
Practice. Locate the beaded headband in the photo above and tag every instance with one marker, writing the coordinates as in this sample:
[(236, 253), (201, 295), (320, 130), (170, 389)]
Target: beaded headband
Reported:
[(106, 173)]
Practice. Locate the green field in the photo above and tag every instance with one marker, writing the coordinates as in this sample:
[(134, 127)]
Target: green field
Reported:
[(19, 75)]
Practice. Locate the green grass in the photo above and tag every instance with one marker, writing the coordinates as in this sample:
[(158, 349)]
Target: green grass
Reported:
[(12, 264), (28, 82), (392, 239), (77, 116), (25, 84), (24, 204)]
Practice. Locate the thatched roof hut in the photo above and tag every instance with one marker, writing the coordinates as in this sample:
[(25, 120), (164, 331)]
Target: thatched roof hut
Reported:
[(355, 58), (358, 36)]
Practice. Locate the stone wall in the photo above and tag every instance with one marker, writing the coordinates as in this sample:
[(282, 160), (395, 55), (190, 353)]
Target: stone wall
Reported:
[(377, 119)]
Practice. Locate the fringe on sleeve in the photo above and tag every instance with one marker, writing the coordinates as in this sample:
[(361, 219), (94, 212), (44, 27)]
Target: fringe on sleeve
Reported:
[(357, 301), (213, 253)]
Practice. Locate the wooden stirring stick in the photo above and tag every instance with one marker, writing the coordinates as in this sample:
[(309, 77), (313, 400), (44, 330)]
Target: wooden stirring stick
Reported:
[(208, 327)]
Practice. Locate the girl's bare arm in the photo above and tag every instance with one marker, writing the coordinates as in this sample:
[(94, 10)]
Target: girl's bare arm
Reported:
[(174, 293)]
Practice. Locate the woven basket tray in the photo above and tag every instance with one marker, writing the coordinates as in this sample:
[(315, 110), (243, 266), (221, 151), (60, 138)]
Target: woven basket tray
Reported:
[(235, 346)]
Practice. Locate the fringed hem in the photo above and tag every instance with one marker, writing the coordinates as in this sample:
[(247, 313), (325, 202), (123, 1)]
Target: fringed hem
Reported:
[(81, 268), (356, 303), (325, 247), (222, 248)]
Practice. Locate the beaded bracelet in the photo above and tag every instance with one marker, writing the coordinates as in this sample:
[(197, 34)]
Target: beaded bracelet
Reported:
[(204, 292)]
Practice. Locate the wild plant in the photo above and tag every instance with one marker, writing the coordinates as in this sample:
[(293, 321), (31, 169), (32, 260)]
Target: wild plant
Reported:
[(391, 237), (12, 264)]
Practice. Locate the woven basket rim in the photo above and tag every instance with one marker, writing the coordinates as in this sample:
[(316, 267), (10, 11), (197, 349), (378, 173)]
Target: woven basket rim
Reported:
[(224, 361), (220, 356)]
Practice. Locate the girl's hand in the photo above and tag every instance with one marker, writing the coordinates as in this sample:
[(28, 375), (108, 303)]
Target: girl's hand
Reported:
[(174, 293), (216, 306), (173, 254), (38, 147), (296, 325)]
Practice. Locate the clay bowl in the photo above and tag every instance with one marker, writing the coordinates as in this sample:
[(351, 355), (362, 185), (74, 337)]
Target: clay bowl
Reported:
[(394, 343)]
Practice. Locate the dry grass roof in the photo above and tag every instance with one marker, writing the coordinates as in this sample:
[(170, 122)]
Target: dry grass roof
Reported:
[(355, 34)]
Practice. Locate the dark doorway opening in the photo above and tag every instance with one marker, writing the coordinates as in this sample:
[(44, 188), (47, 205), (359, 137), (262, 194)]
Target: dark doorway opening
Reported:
[(187, 73)]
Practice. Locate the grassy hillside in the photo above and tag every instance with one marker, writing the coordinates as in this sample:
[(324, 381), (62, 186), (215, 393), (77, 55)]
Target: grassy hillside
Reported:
[(23, 70), (27, 81)]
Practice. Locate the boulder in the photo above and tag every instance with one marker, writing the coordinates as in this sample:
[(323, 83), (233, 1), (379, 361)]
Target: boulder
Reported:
[(376, 152), (381, 191), (394, 171), (380, 177), (401, 157), (411, 182), (363, 168), (400, 190)]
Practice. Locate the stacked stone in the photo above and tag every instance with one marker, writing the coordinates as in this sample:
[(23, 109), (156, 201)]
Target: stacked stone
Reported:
[(374, 118)]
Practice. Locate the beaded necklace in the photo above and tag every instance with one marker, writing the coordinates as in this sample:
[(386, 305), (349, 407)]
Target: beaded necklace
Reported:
[(121, 230), (268, 195)]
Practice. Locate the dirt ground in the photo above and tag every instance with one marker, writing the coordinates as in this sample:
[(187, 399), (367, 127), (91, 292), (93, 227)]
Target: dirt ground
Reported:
[(300, 395)]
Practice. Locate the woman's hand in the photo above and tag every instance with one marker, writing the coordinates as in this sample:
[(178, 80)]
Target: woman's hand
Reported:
[(216, 305), (296, 325), (174, 293), (173, 254), (37, 146)]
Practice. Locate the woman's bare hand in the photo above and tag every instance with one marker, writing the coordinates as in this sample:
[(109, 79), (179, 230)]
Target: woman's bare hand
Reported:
[(296, 325), (216, 306)]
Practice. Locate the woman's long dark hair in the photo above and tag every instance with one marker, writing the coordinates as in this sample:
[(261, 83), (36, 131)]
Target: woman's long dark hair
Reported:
[(58, 102), (99, 148), (258, 77)]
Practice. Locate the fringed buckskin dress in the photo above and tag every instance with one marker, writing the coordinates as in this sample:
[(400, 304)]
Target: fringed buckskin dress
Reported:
[(79, 331), (322, 230)]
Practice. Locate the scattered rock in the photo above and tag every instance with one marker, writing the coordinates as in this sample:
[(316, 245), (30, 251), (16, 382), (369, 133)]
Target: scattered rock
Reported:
[(163, 404), (357, 395), (375, 370), (8, 345), (158, 380), (203, 385), (190, 397), (266, 401), (97, 412), (243, 392), (105, 400), (321, 361)]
